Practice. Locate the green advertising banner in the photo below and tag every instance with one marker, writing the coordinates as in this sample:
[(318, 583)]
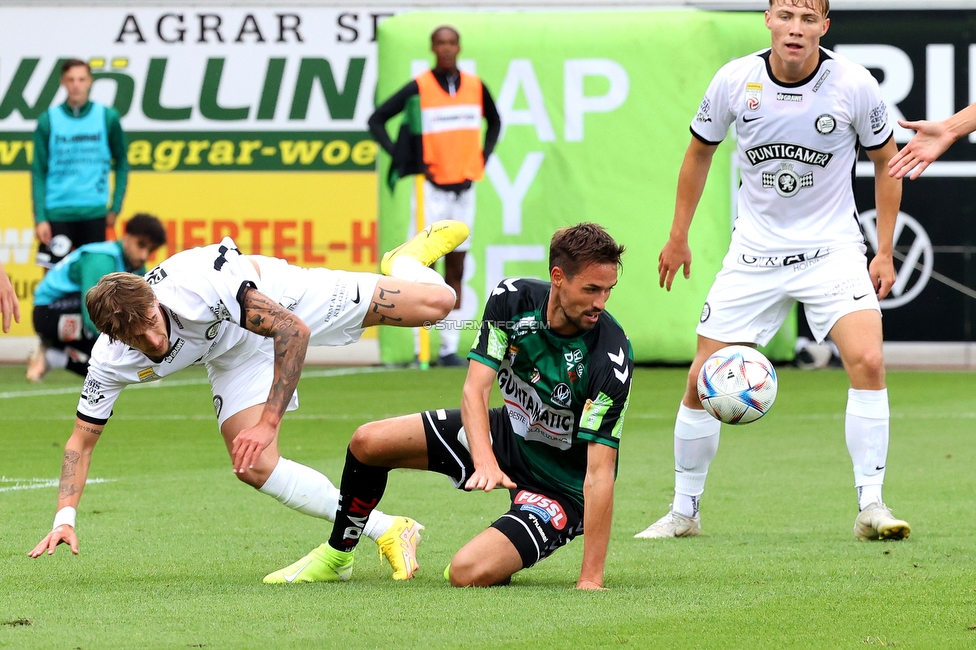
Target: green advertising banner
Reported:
[(595, 109)]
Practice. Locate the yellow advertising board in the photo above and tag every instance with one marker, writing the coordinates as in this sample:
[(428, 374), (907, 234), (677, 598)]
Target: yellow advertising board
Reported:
[(310, 219)]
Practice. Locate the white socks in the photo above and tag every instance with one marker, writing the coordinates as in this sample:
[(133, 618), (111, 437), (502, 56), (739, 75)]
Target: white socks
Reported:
[(303, 489), (310, 492), (696, 435), (377, 524), (866, 430)]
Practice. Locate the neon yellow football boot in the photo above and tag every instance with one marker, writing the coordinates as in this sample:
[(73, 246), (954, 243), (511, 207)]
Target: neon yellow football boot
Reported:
[(324, 564), (399, 546), (430, 244)]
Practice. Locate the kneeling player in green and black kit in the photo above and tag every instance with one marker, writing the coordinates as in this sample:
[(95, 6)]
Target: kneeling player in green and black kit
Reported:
[(61, 317), (564, 367)]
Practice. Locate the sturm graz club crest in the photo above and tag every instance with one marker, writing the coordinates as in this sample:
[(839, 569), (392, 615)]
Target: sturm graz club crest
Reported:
[(825, 124), (786, 181), (218, 404)]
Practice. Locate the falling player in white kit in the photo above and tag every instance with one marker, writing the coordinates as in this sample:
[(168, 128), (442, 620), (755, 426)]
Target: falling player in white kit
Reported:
[(248, 319), (800, 113)]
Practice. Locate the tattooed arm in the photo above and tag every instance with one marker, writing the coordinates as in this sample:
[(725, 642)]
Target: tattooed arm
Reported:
[(264, 316), (74, 473)]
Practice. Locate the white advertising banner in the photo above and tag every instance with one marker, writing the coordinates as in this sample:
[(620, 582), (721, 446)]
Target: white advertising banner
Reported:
[(197, 68)]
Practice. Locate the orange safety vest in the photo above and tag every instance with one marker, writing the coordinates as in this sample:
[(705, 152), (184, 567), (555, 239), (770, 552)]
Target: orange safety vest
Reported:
[(451, 129)]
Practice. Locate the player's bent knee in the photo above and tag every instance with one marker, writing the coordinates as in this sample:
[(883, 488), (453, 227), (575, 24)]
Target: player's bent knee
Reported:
[(868, 367), (441, 302), (257, 474), (691, 399), (254, 479), (463, 569), (363, 443), (874, 362), (475, 574), (470, 568)]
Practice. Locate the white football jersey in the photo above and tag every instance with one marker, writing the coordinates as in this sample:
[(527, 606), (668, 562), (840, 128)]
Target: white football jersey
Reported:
[(797, 147), (199, 291)]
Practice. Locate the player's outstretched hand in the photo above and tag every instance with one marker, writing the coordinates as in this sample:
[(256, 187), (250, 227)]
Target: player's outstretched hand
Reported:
[(930, 141), (9, 307), (487, 478), (250, 444), (674, 255), (590, 585), (63, 534)]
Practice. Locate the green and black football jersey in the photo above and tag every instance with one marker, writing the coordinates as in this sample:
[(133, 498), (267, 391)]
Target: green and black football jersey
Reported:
[(561, 392)]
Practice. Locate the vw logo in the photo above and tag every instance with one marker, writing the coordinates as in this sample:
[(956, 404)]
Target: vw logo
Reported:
[(912, 276)]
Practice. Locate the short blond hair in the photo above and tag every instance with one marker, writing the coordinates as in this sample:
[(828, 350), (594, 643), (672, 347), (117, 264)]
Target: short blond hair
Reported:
[(822, 5), (120, 305)]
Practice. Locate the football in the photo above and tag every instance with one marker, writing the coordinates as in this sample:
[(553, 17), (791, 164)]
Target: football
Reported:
[(737, 385)]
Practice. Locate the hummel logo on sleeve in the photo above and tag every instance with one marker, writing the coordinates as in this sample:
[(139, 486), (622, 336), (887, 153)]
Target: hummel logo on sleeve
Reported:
[(618, 358), (508, 287)]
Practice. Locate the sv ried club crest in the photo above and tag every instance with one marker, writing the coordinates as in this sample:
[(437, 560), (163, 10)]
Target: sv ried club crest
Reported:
[(787, 182)]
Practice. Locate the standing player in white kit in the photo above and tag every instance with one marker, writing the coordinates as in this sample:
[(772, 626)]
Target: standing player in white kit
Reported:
[(248, 320), (800, 113)]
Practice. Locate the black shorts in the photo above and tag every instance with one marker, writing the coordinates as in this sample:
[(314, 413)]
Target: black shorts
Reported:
[(60, 326), (67, 236), (541, 519)]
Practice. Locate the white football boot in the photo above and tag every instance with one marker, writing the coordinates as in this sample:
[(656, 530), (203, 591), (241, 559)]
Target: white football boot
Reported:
[(673, 524), (876, 522)]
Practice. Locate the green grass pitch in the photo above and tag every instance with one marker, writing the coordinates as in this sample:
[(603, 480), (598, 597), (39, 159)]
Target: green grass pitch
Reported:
[(173, 547)]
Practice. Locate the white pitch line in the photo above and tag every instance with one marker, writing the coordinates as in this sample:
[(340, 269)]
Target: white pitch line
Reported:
[(381, 416), (835, 416), (201, 416), (37, 483), (168, 383)]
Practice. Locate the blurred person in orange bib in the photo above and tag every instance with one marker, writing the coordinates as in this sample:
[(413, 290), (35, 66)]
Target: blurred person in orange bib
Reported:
[(450, 153)]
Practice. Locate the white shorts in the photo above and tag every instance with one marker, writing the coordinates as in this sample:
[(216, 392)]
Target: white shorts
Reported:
[(246, 384), (752, 296), (443, 204), (332, 303)]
